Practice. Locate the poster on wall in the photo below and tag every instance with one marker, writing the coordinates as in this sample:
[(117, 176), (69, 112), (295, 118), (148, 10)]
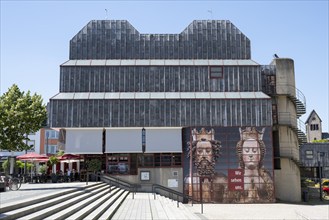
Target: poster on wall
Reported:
[(229, 164)]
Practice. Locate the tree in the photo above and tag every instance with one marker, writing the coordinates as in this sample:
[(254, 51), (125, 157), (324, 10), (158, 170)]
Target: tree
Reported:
[(20, 115)]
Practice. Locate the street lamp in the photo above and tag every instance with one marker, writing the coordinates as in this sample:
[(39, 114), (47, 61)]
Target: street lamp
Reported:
[(320, 155), (143, 140)]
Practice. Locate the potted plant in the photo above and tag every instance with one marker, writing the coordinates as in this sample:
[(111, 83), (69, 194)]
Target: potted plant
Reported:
[(43, 170), (94, 165), (53, 160)]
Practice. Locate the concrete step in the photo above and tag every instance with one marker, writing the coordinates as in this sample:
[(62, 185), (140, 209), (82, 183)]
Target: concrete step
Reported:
[(60, 206), (92, 206), (29, 207), (112, 208), (38, 199)]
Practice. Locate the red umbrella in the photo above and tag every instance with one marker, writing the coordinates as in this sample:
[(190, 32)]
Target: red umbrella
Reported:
[(69, 157), (32, 157)]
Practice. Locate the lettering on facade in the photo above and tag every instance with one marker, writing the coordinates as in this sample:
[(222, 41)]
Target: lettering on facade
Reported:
[(235, 180)]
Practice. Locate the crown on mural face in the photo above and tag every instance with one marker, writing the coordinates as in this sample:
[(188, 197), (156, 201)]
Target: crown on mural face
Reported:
[(203, 134), (251, 133)]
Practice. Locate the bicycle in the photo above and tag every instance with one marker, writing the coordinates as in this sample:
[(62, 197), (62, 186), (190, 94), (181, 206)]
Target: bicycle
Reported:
[(14, 183)]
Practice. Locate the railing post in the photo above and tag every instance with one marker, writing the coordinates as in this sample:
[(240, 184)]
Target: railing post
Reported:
[(177, 202), (201, 206)]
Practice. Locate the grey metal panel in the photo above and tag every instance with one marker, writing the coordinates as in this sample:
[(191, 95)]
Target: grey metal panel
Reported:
[(232, 95), (201, 62), (261, 95), (202, 95), (171, 62), (96, 95), (172, 95), (81, 95), (98, 62), (142, 95), (186, 62), (83, 62), (69, 63), (157, 62), (113, 95), (247, 95), (63, 96), (127, 95), (113, 62), (230, 62), (142, 62), (215, 62), (217, 95), (187, 95), (128, 62), (157, 95)]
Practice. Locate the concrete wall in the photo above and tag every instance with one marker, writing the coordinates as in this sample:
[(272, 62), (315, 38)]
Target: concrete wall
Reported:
[(287, 181), (163, 176)]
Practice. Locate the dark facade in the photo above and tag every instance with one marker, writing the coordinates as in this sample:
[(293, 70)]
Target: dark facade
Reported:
[(119, 81), (314, 157)]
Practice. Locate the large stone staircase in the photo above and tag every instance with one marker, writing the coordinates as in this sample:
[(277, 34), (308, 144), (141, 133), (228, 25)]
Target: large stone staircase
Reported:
[(96, 201)]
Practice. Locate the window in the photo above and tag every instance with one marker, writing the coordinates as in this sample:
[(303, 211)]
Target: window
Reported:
[(52, 134), (31, 143), (309, 154), (160, 160), (118, 164), (216, 72), (314, 127), (51, 149)]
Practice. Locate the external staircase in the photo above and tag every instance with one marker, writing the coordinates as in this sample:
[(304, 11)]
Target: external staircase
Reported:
[(97, 201)]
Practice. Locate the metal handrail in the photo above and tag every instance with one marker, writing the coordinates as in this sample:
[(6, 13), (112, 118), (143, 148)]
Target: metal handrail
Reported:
[(177, 193), (131, 187)]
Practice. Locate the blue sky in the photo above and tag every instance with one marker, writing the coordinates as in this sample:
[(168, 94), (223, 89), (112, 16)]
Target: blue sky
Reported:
[(35, 37)]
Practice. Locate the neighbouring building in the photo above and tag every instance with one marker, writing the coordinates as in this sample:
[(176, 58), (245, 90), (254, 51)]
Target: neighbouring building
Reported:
[(314, 155), (313, 127), (190, 111)]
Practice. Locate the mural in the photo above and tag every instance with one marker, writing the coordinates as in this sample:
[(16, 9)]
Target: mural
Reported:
[(229, 165)]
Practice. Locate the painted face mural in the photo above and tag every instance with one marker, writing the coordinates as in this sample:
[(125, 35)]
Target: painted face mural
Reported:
[(228, 164)]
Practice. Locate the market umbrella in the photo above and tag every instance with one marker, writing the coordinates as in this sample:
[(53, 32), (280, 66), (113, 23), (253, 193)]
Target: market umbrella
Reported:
[(33, 157), (69, 157)]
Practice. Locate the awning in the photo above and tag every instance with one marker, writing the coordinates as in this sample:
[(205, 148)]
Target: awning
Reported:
[(163, 140), (158, 140), (84, 141), (123, 140)]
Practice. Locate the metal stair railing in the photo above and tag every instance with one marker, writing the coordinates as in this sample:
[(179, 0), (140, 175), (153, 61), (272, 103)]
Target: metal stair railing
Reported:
[(131, 187), (177, 193)]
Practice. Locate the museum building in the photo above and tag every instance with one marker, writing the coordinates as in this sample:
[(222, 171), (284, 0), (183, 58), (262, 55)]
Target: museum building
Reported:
[(176, 110)]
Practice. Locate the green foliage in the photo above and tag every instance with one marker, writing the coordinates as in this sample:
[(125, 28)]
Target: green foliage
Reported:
[(60, 153), (43, 169), (321, 141), (5, 165), (20, 114), (20, 164), (53, 160), (94, 165)]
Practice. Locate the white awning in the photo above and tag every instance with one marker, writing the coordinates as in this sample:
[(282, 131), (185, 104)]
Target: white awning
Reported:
[(84, 141), (123, 140), (163, 140), (158, 140)]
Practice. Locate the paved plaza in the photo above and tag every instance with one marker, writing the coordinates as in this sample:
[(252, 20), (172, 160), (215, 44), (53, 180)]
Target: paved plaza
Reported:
[(143, 206)]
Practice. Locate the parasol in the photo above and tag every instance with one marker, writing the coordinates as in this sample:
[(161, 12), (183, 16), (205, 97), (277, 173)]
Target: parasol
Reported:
[(33, 157)]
